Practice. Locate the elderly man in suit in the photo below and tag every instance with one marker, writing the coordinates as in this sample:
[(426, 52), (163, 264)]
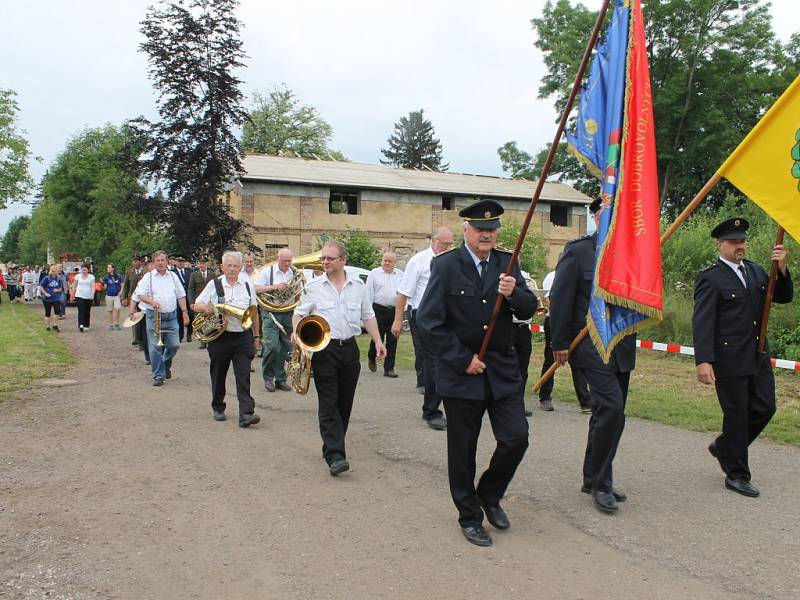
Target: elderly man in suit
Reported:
[(453, 318)]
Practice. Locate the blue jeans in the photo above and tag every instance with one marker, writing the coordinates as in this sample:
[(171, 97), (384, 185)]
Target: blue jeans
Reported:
[(161, 357)]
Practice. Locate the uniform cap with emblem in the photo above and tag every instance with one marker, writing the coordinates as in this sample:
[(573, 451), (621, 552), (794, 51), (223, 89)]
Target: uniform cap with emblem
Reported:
[(136, 257), (484, 214), (731, 229)]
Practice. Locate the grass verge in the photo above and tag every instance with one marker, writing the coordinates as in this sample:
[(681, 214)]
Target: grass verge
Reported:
[(27, 351), (663, 389)]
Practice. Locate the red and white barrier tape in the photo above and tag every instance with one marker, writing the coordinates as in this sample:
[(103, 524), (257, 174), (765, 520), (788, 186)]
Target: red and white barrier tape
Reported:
[(779, 363)]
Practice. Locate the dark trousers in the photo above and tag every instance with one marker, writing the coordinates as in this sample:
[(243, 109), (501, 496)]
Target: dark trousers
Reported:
[(608, 393), (510, 428), (419, 360), (336, 370), (236, 348), (180, 329), (431, 402), (84, 311), (748, 404), (384, 315), (522, 344), (578, 378)]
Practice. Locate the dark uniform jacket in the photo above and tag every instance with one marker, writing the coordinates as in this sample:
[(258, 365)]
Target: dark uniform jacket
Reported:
[(569, 305), (454, 314), (197, 284), (130, 283), (727, 316)]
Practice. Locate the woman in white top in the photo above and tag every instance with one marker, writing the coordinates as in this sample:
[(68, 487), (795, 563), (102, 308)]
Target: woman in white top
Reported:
[(83, 286)]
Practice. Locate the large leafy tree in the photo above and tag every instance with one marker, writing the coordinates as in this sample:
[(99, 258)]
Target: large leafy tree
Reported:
[(15, 179), (9, 243), (715, 67), (279, 124), (92, 200), (193, 49), (414, 145)]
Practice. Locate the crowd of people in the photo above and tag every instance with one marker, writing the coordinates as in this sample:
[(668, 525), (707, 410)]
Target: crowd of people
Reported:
[(447, 295)]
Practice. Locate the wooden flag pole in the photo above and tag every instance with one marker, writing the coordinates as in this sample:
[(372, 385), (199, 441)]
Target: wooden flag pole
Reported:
[(701, 195), (762, 333), (545, 170)]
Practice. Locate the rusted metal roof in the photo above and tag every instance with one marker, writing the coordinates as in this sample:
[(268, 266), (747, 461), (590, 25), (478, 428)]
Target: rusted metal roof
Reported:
[(261, 167)]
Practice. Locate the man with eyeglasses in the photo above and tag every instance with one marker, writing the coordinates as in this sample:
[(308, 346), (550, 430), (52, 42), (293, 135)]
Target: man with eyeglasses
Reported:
[(411, 290), (343, 302)]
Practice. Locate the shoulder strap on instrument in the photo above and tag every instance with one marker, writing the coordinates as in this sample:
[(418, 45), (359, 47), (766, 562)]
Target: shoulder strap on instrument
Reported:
[(220, 291)]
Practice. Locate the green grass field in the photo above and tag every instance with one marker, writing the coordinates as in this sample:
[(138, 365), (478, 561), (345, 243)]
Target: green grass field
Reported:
[(27, 351), (663, 389)]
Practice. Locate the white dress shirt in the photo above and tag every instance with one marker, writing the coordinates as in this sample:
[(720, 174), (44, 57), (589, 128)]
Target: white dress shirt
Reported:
[(736, 270), (235, 295), (274, 274), (547, 285), (164, 289), (343, 310), (382, 286), (415, 278)]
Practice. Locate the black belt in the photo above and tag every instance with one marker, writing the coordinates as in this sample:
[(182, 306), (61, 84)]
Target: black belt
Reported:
[(343, 342)]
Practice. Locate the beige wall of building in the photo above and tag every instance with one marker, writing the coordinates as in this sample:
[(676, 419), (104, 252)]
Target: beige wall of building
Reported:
[(296, 215)]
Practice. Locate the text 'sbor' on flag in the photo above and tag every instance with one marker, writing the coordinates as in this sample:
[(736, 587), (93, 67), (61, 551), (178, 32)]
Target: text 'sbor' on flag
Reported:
[(615, 138), (766, 165)]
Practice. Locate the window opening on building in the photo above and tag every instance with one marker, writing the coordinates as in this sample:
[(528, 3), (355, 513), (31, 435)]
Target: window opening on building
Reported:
[(344, 202), (560, 215), (448, 202)]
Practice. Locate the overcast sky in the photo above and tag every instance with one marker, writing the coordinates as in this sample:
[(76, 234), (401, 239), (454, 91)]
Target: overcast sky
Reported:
[(470, 64)]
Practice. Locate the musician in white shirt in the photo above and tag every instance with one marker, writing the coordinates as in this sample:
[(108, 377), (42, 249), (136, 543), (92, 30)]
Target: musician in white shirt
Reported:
[(344, 303), (161, 290), (277, 325), (382, 286), (236, 345)]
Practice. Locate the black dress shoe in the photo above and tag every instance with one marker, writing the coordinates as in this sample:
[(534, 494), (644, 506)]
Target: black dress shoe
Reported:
[(496, 516), (339, 466), (247, 420), (219, 415), (477, 535), (528, 413), (269, 385), (283, 386), (390, 373), (168, 374), (742, 486), (605, 502), (372, 366), (619, 496), (714, 451), (437, 423)]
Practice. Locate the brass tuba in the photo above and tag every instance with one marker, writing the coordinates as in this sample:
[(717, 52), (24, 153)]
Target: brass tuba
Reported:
[(286, 299), (313, 333), (206, 328)]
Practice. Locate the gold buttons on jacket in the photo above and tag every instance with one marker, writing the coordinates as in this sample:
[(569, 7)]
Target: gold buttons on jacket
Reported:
[(483, 301), (485, 327), (462, 292), (733, 295)]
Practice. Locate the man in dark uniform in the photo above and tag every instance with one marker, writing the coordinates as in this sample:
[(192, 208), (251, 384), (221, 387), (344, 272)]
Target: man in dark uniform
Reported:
[(197, 283), (132, 278), (728, 300), (184, 273), (453, 318), (608, 383)]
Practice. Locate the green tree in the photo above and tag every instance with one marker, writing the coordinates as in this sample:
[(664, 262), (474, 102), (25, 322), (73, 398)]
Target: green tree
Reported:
[(413, 144), (715, 67), (278, 124), (92, 200), (532, 255), (15, 179), (361, 251), (9, 243), (193, 49)]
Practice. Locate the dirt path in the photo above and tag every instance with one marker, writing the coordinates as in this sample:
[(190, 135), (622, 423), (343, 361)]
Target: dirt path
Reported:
[(112, 488)]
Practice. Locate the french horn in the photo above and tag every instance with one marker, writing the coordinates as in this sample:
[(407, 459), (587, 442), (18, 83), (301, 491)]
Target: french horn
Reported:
[(313, 333), (287, 298), (206, 328)]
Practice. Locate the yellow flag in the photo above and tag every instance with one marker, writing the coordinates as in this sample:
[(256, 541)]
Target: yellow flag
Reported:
[(766, 165)]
